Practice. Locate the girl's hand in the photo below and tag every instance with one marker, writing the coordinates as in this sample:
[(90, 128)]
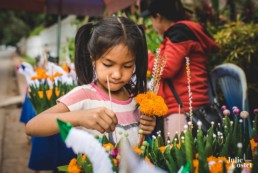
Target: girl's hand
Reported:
[(100, 119), (147, 124)]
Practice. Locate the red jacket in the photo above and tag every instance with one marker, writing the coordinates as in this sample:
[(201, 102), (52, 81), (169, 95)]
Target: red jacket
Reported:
[(185, 39)]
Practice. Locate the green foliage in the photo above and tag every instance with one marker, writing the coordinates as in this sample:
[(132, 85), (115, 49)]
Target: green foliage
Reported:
[(28, 59), (41, 100), (36, 31), (62, 168), (238, 43), (152, 38), (18, 24)]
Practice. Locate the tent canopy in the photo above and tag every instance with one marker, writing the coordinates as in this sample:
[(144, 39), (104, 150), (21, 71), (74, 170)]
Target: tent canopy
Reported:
[(76, 7)]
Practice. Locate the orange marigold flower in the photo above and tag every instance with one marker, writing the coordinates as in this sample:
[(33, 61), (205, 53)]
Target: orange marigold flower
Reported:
[(66, 68), (146, 107), (56, 74), (151, 104), (216, 167), (52, 78), (149, 162), (160, 108), (109, 145), (151, 95), (253, 146), (137, 150), (139, 98), (33, 77), (147, 159), (162, 149), (195, 165), (73, 167)]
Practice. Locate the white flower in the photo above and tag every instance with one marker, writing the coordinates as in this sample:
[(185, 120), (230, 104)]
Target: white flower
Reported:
[(244, 114)]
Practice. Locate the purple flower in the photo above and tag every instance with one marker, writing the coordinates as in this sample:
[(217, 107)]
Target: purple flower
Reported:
[(234, 107), (236, 111), (223, 107), (256, 139), (114, 152), (256, 111), (226, 112)]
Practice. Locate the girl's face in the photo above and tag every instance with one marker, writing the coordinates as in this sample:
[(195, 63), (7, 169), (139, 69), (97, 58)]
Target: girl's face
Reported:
[(118, 64)]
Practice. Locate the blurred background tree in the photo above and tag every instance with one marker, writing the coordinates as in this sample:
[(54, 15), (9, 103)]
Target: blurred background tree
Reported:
[(18, 24)]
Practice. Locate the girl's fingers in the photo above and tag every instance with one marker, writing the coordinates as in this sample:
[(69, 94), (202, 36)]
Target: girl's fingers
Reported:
[(99, 128), (147, 122), (146, 130), (148, 118), (104, 125), (111, 114), (107, 119)]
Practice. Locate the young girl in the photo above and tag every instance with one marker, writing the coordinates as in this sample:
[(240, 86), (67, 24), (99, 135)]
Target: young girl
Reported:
[(108, 54)]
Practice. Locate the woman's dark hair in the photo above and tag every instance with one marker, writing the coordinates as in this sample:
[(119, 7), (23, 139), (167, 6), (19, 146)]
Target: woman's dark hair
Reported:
[(172, 10), (93, 40)]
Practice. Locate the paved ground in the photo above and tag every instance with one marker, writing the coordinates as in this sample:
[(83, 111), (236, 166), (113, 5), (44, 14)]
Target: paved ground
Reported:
[(14, 144)]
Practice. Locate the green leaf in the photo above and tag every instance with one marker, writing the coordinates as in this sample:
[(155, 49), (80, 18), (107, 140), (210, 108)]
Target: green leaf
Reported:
[(169, 160), (62, 168)]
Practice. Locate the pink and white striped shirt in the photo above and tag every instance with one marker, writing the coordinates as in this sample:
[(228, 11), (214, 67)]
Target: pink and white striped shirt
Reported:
[(90, 96)]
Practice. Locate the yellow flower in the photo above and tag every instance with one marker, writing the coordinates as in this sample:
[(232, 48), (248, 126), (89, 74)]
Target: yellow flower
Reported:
[(73, 167), (84, 157), (57, 92), (49, 94), (148, 74), (115, 162), (40, 93), (178, 145)]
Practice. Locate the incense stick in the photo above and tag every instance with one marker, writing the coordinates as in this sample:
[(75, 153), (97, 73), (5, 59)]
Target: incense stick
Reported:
[(179, 112), (109, 93), (110, 99)]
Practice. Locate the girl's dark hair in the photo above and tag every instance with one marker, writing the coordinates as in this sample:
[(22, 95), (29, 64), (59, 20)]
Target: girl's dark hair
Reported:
[(93, 40)]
